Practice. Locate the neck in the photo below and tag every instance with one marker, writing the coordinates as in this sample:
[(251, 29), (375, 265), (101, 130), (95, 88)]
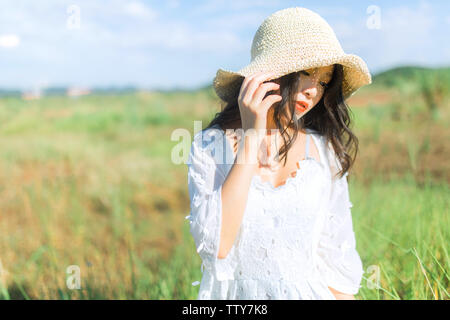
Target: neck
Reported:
[(270, 124)]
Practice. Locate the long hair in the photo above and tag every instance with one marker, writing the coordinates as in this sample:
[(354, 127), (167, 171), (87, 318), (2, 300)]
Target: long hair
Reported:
[(330, 117)]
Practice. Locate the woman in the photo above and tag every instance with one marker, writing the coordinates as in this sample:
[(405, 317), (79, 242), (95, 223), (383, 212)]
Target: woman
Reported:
[(266, 228)]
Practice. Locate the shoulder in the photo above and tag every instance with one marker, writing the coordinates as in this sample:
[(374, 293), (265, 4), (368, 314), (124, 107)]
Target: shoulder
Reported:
[(208, 144), (316, 134), (320, 140), (323, 141), (327, 151), (207, 138)]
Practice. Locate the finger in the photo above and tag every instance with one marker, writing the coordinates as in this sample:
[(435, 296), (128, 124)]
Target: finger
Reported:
[(255, 83), (244, 86), (262, 91), (250, 77), (258, 73), (270, 100)]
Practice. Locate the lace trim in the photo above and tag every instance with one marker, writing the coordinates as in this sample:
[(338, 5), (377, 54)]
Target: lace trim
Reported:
[(267, 185)]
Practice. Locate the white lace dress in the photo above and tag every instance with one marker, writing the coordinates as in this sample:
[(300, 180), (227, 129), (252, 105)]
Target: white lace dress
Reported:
[(295, 240)]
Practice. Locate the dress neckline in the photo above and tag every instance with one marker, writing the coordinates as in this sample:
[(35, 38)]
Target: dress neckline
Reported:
[(297, 173), (290, 179)]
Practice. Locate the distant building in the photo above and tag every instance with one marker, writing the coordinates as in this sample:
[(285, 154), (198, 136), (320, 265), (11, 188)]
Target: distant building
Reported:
[(76, 92), (34, 94)]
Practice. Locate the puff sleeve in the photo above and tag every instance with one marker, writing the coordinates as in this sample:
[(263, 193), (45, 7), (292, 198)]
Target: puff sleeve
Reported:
[(339, 262), (205, 179)]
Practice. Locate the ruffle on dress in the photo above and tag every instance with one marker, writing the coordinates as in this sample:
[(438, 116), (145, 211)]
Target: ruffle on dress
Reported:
[(337, 258), (205, 189)]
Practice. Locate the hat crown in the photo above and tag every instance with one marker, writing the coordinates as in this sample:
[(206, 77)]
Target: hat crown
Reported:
[(297, 30), (291, 40)]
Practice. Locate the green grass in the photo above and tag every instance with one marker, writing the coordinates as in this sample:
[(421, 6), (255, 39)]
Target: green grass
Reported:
[(90, 182), (395, 236), (400, 228)]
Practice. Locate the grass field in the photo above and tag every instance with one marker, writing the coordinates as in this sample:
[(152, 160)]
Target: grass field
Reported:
[(89, 182)]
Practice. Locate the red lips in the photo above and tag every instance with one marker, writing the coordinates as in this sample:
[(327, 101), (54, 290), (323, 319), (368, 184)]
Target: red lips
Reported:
[(301, 106)]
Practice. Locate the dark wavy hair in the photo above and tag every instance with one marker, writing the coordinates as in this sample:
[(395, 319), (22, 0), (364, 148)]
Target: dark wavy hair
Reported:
[(330, 117)]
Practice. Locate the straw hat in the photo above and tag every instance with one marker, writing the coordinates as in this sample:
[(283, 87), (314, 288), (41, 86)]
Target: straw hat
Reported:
[(291, 40)]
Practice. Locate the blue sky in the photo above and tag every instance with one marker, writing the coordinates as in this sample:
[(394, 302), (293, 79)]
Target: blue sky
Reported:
[(175, 43)]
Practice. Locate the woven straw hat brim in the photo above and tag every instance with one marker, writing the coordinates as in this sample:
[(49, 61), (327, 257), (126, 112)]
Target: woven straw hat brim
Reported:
[(227, 83), (292, 40)]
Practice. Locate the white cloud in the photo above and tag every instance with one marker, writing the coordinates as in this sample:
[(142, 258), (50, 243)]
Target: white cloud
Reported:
[(173, 4), (215, 6), (121, 39), (403, 19), (9, 41), (237, 21), (138, 9), (182, 36), (329, 11)]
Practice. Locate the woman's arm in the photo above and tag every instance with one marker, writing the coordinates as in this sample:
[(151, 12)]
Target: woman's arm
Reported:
[(205, 183), (217, 206), (222, 208), (341, 295), (235, 193), (254, 104), (338, 260)]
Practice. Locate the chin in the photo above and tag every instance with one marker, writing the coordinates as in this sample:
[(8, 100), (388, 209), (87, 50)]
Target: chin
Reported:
[(299, 115)]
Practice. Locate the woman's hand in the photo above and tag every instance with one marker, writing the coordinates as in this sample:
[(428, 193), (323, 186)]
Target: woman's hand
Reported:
[(252, 107), (341, 296), (235, 188)]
